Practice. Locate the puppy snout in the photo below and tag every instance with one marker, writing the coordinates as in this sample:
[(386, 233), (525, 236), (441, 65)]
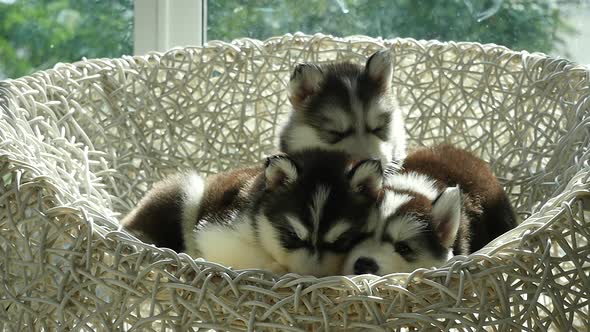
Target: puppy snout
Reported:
[(365, 265)]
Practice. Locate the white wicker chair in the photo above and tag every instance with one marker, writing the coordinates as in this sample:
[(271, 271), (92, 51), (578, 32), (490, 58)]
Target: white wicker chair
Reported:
[(81, 143)]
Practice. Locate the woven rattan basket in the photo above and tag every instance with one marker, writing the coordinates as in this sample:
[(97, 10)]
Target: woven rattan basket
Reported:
[(81, 143)]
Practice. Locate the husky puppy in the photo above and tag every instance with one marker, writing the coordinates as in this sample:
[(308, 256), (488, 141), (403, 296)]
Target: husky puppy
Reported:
[(299, 213), (346, 107), (444, 202)]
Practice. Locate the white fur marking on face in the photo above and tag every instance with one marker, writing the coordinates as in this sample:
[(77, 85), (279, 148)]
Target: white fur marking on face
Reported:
[(375, 220), (298, 227), (391, 203), (376, 110), (336, 231), (317, 206), (412, 181), (357, 108), (337, 119), (299, 261), (372, 118), (405, 228), (303, 137), (194, 188)]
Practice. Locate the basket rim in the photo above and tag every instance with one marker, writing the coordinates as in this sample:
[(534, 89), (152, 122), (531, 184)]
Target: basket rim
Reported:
[(238, 45)]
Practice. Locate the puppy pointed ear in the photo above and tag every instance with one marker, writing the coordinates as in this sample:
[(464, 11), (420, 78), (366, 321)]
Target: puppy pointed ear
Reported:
[(366, 177), (279, 171), (305, 81), (446, 215), (379, 68)]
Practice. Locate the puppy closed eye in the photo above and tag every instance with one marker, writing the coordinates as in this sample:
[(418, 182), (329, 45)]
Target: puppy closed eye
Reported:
[(378, 131), (338, 135), (292, 240), (290, 232), (403, 248)]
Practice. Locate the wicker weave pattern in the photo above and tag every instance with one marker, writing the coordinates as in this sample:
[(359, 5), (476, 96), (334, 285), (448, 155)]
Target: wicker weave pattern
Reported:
[(82, 142)]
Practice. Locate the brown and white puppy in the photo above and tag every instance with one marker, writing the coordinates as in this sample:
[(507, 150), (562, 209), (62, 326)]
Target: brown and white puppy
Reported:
[(445, 201), (299, 213), (345, 107)]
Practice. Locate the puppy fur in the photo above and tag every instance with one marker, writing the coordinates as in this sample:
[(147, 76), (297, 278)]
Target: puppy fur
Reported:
[(445, 201), (298, 213), (345, 107), (157, 218)]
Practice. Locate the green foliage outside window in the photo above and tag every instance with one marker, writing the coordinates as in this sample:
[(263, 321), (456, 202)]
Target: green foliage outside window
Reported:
[(534, 25), (35, 34)]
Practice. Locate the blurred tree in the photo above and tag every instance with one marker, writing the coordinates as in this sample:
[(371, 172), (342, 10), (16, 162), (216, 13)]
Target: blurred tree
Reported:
[(534, 25), (35, 34)]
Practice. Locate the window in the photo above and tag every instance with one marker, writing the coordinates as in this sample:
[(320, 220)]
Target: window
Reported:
[(36, 34), (549, 26)]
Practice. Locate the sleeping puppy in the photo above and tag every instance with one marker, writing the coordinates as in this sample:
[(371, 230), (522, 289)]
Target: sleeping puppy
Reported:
[(298, 213), (345, 107), (444, 202)]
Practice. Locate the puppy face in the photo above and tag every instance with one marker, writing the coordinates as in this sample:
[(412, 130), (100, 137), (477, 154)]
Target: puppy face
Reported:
[(343, 107), (314, 208), (412, 232)]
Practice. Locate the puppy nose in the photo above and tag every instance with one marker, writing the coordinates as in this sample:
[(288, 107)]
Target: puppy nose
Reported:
[(365, 265)]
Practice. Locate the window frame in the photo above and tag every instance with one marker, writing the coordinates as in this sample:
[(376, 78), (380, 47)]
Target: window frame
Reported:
[(160, 25)]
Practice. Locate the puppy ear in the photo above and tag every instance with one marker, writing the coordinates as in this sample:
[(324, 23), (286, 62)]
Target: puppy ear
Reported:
[(446, 215), (305, 81), (367, 177), (379, 68), (279, 171)]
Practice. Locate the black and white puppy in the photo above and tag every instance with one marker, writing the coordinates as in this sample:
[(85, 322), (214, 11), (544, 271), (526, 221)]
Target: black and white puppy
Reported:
[(299, 213), (346, 107), (444, 202)]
